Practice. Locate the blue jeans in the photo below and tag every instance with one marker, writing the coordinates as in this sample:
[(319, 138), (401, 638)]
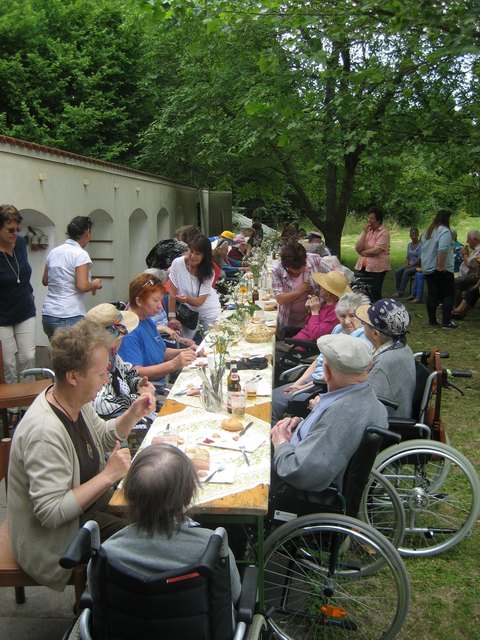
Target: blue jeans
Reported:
[(417, 287), (402, 276), (50, 324)]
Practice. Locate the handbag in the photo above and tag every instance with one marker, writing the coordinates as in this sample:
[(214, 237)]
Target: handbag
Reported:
[(186, 316)]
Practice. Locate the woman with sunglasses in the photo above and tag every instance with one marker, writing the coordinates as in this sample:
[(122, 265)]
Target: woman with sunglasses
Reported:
[(125, 383), (17, 306), (144, 347), (68, 277)]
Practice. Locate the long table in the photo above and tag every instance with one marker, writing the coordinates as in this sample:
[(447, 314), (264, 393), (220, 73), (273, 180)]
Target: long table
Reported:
[(245, 500)]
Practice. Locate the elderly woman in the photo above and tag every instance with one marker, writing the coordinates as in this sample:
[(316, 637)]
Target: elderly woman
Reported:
[(159, 488), (67, 275), (322, 319), (393, 366), (58, 476), (191, 283), (124, 382), (349, 324), (17, 306), (144, 347)]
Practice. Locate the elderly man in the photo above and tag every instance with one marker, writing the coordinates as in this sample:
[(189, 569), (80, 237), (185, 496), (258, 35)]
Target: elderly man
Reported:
[(312, 454)]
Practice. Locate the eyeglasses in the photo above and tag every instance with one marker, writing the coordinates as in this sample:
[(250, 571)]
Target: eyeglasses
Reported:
[(13, 230), (150, 282), (117, 329)]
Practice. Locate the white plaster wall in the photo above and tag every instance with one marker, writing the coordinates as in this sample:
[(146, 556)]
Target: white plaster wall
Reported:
[(131, 212)]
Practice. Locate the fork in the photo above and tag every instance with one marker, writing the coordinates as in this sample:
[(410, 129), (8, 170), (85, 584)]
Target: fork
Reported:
[(217, 470)]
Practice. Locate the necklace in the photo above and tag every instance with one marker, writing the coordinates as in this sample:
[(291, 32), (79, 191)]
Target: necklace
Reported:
[(88, 446), (17, 272)]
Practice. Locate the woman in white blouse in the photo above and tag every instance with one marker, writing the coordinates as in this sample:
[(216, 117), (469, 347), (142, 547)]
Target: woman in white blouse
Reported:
[(67, 275), (191, 282)]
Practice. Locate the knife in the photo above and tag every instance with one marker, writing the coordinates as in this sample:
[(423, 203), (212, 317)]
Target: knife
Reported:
[(242, 432)]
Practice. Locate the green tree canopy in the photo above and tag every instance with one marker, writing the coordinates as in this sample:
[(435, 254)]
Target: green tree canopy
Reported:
[(299, 98), (71, 73)]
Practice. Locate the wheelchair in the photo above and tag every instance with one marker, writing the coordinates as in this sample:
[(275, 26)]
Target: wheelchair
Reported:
[(437, 485), (294, 357), (328, 574), (191, 603)]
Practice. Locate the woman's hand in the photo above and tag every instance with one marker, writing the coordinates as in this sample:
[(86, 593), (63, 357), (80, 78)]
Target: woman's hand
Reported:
[(174, 324), (187, 342), (118, 463), (184, 358), (295, 387), (313, 305), (142, 406), (145, 386)]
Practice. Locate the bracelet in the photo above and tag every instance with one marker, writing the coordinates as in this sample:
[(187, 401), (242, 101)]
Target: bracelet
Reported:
[(172, 314)]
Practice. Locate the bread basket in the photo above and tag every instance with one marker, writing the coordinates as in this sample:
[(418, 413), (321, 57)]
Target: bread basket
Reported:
[(258, 333)]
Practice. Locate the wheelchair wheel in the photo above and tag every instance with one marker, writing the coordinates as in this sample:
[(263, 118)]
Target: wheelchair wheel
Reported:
[(440, 492), (315, 586), (382, 508)]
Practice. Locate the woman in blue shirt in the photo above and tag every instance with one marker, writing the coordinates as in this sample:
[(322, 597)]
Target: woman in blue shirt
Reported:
[(144, 347)]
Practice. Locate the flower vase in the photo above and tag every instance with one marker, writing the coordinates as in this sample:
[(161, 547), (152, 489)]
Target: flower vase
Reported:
[(211, 393)]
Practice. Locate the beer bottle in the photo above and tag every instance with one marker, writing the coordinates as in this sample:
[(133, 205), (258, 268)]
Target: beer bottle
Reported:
[(255, 295), (233, 384)]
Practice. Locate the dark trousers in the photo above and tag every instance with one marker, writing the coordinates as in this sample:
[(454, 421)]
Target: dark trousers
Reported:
[(440, 289), (374, 280)]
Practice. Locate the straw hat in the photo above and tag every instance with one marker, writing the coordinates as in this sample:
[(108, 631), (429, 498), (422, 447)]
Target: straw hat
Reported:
[(334, 281), (107, 315), (388, 316)]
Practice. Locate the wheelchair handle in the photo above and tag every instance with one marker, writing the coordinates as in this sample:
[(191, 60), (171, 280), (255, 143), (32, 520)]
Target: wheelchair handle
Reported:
[(87, 538), (37, 371), (454, 373), (427, 354)]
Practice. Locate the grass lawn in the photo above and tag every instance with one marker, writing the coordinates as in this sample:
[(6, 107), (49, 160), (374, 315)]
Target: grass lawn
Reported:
[(445, 602)]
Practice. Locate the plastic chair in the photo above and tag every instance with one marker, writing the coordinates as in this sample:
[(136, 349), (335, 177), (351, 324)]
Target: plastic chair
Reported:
[(20, 393), (191, 603)]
